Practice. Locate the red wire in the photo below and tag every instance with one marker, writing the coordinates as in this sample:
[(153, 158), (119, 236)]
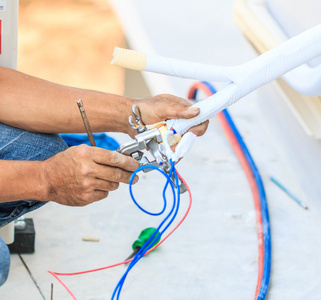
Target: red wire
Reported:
[(246, 167), (237, 149), (56, 274)]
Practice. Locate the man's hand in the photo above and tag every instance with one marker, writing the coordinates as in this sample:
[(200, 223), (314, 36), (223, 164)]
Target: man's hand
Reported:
[(164, 107), (81, 175)]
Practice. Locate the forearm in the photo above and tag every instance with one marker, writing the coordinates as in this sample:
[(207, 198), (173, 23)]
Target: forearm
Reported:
[(37, 105), (22, 180), (77, 176)]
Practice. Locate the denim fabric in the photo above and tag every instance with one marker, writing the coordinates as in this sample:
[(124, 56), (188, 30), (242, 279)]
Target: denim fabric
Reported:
[(4, 262), (17, 144)]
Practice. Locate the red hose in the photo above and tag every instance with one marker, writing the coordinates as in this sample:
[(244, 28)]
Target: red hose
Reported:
[(246, 167), (56, 274)]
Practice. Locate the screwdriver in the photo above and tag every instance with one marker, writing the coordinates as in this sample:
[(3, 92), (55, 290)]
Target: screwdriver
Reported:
[(86, 123), (143, 238)]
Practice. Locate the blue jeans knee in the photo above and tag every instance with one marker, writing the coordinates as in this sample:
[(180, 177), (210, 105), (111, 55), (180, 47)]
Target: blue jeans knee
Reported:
[(4, 261), (18, 144)]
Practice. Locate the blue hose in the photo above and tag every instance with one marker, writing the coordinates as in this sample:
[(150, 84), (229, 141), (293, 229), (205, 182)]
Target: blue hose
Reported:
[(264, 207)]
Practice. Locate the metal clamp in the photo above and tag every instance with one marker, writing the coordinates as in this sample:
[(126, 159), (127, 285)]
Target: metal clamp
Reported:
[(148, 141), (137, 123)]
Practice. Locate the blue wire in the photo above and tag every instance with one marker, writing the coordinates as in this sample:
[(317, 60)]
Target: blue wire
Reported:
[(265, 212), (149, 243), (264, 207), (154, 237), (158, 233), (131, 189)]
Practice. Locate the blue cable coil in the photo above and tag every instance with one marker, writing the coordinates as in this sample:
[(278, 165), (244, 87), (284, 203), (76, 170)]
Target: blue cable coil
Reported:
[(154, 237), (264, 207), (175, 207)]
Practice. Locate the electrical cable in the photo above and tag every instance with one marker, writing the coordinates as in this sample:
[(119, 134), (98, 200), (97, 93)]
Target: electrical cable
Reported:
[(209, 90), (252, 173), (158, 232), (57, 274), (265, 214), (260, 204)]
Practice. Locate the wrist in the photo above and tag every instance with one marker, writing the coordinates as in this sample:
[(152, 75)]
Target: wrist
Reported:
[(39, 182), (22, 180), (126, 114), (111, 114)]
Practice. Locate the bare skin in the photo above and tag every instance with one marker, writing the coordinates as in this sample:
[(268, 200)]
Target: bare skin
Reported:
[(79, 175)]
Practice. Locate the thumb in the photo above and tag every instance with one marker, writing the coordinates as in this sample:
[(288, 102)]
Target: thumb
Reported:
[(190, 112), (180, 111)]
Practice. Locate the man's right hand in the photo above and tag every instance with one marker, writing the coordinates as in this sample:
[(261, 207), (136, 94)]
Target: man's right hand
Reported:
[(81, 175)]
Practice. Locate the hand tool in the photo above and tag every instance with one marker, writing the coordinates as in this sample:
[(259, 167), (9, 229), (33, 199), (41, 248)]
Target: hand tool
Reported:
[(148, 141), (142, 239), (86, 123)]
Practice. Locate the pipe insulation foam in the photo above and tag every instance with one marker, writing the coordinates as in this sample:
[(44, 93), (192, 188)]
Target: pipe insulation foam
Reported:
[(129, 59), (241, 80)]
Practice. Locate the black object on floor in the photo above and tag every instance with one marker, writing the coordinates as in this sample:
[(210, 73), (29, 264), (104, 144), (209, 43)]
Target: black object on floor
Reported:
[(24, 241)]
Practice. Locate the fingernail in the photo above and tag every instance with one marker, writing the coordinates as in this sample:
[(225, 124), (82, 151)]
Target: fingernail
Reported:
[(194, 109)]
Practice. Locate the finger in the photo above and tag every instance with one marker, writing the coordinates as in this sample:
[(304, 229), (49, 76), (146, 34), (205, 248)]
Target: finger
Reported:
[(87, 198), (164, 107), (99, 195), (115, 159), (200, 129), (169, 97), (106, 185), (113, 174), (173, 110)]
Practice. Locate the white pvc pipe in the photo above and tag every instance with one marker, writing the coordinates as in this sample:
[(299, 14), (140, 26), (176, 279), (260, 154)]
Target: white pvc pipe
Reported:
[(242, 79)]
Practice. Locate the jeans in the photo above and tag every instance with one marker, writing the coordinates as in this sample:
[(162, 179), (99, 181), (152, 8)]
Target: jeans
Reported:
[(17, 144), (4, 262)]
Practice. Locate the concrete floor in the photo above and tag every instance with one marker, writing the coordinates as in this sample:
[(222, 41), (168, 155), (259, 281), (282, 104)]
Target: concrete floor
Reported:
[(212, 256), (214, 253)]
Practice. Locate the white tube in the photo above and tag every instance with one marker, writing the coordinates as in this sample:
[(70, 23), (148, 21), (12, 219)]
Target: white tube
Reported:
[(243, 79), (209, 108), (184, 69)]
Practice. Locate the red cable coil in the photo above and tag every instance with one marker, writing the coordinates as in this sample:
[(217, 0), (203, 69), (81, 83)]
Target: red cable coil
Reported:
[(246, 167)]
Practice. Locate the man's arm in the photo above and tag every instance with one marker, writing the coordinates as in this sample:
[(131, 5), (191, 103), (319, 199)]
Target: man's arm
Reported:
[(37, 105), (21, 180), (75, 177), (79, 175), (41, 106)]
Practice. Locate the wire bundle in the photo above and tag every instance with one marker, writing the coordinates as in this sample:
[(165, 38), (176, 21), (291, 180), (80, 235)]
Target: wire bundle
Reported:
[(147, 247), (263, 226), (156, 235), (255, 181)]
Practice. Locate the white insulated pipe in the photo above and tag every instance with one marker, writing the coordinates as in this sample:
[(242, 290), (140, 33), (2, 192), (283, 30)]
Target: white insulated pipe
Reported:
[(242, 79)]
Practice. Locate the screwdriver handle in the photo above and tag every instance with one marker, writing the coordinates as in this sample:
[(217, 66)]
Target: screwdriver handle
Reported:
[(144, 236)]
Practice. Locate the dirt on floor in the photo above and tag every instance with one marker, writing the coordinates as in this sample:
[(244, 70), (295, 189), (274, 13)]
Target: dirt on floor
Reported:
[(70, 42)]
